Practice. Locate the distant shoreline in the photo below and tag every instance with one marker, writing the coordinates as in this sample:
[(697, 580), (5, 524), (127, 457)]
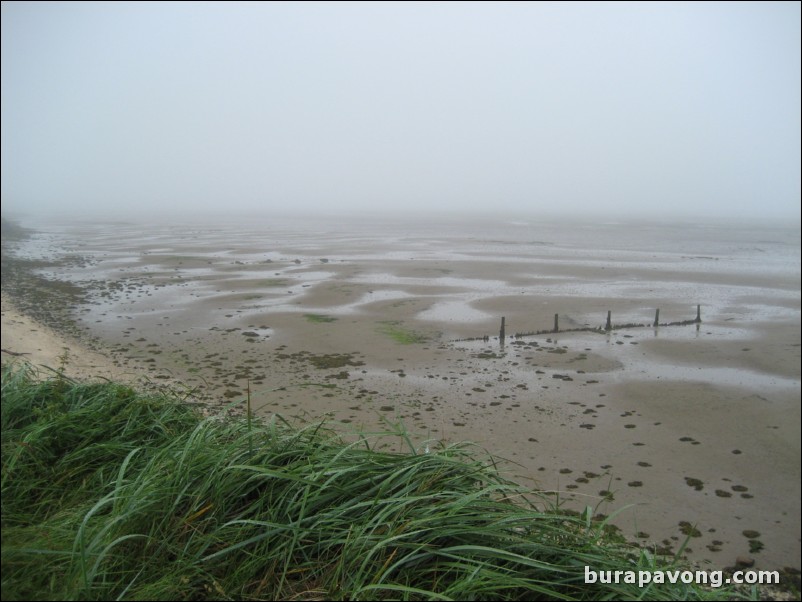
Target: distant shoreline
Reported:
[(38, 327)]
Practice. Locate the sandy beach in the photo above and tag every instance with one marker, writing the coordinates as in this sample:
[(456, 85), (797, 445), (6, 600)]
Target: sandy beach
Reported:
[(684, 428), (26, 339)]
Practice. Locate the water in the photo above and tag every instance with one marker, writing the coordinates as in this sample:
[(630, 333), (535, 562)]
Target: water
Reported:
[(716, 266)]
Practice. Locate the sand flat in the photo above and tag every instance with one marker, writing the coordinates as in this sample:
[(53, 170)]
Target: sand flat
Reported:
[(376, 323)]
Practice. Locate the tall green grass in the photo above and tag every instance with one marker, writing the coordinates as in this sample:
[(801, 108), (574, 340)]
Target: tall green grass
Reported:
[(112, 494)]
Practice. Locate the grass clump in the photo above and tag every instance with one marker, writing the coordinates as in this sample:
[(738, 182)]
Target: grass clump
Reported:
[(400, 334), (112, 494)]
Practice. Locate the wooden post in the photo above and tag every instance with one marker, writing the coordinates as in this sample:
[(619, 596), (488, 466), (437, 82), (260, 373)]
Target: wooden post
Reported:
[(698, 314), (609, 325), (556, 322), (501, 332), (656, 317)]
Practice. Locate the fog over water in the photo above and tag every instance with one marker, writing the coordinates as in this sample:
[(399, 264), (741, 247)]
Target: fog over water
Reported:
[(474, 259), (617, 110)]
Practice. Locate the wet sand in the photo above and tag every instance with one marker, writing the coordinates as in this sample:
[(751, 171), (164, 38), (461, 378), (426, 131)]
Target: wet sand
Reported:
[(27, 340), (369, 326)]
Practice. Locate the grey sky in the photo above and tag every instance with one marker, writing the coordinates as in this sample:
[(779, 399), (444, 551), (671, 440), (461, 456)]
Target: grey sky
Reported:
[(624, 108)]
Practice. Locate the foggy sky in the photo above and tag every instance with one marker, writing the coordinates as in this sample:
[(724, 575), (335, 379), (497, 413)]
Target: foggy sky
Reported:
[(621, 109)]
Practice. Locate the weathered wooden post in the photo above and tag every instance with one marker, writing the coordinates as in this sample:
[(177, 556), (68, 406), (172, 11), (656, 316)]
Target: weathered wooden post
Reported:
[(556, 322), (656, 317), (698, 314), (501, 332), (609, 325)]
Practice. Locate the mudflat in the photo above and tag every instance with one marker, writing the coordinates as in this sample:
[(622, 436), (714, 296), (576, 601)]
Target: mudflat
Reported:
[(684, 428)]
